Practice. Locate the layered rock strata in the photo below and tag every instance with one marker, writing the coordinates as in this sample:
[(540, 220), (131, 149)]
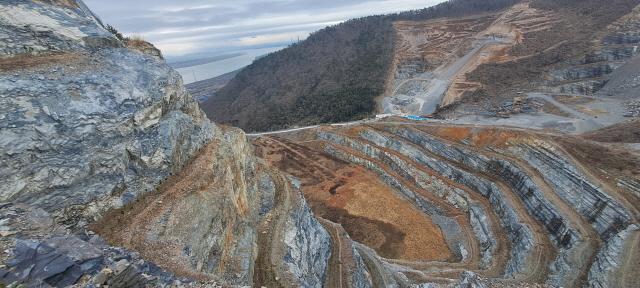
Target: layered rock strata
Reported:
[(559, 224)]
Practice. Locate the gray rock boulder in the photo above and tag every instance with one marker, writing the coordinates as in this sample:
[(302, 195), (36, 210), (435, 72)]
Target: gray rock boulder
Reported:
[(59, 261)]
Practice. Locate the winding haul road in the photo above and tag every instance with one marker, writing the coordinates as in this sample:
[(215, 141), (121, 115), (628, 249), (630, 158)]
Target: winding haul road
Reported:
[(439, 81)]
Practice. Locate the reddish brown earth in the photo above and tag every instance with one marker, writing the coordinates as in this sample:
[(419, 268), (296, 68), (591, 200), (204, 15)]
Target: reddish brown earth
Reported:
[(369, 210)]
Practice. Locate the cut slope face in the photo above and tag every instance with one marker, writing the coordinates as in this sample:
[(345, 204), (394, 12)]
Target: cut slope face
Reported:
[(514, 206), (448, 49)]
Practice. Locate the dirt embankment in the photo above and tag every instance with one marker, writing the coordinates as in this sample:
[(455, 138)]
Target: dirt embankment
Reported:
[(626, 132)]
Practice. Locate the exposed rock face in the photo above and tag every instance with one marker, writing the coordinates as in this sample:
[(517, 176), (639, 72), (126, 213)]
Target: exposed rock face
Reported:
[(45, 255), (29, 27), (127, 128), (534, 199), (608, 258), (608, 218), (89, 128), (78, 127), (214, 220), (308, 247), (606, 215), (596, 73)]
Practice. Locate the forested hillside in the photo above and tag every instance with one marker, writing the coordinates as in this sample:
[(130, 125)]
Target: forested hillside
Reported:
[(334, 75)]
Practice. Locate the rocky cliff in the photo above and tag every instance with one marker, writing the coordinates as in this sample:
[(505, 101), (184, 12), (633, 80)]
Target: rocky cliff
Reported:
[(86, 120), (98, 134)]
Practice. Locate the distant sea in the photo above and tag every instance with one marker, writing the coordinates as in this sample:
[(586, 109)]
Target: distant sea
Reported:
[(216, 68)]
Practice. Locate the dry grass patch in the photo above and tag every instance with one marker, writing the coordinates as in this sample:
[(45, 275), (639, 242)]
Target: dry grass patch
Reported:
[(63, 3), (32, 62)]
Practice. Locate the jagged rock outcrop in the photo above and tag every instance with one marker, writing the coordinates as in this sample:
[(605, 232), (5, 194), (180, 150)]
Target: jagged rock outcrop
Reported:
[(308, 247), (87, 124), (97, 128), (44, 254)]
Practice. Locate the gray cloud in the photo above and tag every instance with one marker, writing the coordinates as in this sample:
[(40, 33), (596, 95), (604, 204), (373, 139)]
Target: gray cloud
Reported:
[(207, 26)]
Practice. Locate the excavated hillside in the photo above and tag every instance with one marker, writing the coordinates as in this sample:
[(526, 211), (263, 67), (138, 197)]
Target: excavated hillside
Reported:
[(463, 59), (335, 75), (510, 63), (112, 176), (572, 65), (515, 207)]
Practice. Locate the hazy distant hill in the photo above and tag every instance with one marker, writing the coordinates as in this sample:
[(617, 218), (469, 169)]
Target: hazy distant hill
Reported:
[(204, 89)]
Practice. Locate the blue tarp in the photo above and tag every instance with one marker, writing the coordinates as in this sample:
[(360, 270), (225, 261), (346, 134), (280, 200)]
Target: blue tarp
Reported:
[(417, 118)]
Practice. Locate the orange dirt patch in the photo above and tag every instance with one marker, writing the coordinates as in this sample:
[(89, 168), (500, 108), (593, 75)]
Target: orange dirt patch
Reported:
[(477, 137), (368, 209), (456, 134), (494, 138)]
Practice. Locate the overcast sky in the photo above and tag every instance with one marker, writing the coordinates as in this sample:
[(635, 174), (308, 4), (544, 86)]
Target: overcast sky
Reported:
[(180, 27)]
